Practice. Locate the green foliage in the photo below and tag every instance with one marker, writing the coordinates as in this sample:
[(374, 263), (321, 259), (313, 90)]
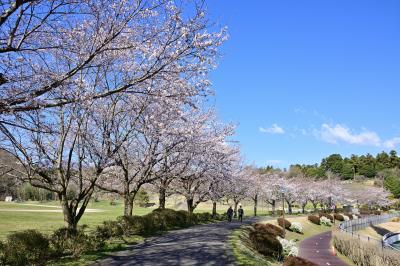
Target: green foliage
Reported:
[(28, 247), (392, 181), (347, 168), (74, 242), (28, 192), (142, 197), (333, 163)]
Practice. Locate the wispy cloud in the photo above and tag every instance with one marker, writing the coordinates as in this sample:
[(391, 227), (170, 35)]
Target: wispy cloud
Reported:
[(274, 162), (392, 143), (274, 129), (340, 133)]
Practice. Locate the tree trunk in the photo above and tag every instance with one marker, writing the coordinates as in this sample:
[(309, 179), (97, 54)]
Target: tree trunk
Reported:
[(255, 205), (128, 205), (290, 207), (235, 208), (273, 203), (214, 209), (190, 206), (161, 198), (69, 219), (303, 208)]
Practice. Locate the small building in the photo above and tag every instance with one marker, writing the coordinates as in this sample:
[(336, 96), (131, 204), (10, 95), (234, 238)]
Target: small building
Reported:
[(8, 199)]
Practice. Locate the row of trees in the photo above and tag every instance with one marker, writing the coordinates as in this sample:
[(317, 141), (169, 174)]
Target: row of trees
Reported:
[(275, 186), (110, 95)]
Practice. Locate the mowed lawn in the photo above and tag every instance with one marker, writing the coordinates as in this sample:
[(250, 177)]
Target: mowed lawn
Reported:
[(47, 216)]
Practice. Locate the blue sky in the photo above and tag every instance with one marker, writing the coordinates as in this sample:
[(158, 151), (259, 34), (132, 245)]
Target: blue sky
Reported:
[(305, 79)]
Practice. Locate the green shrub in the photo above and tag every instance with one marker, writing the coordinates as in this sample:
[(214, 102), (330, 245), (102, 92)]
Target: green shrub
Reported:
[(327, 215), (284, 223), (28, 247), (109, 229), (156, 221), (270, 229), (204, 217), (297, 261), (266, 243), (74, 242), (339, 217), (221, 217), (314, 219)]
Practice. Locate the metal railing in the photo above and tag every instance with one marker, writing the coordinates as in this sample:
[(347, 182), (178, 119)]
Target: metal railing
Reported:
[(351, 226)]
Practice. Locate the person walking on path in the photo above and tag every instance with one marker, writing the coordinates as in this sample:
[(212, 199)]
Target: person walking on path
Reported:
[(240, 212), (229, 212)]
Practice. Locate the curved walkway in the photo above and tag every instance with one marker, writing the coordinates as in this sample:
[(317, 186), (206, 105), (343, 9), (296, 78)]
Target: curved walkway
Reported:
[(198, 245), (318, 249)]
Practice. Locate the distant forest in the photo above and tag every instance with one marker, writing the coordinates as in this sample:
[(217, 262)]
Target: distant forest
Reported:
[(384, 166)]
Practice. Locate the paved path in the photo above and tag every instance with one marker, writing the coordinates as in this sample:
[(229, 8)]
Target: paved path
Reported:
[(198, 245), (318, 249)]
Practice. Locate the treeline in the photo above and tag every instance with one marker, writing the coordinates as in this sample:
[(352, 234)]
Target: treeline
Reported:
[(368, 166)]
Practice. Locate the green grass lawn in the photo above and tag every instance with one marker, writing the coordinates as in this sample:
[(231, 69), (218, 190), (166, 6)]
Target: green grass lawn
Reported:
[(48, 217)]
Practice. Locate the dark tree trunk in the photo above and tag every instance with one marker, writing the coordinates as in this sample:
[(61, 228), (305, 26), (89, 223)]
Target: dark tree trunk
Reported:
[(273, 203), (255, 205), (214, 209), (303, 208), (128, 205), (161, 198), (190, 206), (69, 218), (236, 202)]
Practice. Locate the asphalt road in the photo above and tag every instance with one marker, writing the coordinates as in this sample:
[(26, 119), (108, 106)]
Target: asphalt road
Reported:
[(197, 245)]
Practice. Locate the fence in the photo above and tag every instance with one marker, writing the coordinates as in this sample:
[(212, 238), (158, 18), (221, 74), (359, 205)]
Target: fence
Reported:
[(363, 249), (354, 225)]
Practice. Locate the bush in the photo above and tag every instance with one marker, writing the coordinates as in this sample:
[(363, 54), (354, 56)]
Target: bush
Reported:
[(270, 229), (351, 216), (284, 223), (74, 242), (204, 217), (314, 219), (297, 261), (109, 229), (325, 221), (339, 217), (289, 247), (28, 247), (156, 221), (296, 227), (266, 243), (330, 217)]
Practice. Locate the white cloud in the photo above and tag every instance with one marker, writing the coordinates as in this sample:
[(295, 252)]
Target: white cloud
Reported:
[(274, 129), (274, 162), (341, 133), (392, 143)]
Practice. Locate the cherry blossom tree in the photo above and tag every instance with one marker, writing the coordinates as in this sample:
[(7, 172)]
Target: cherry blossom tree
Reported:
[(254, 181), (46, 46), (70, 156), (205, 154)]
